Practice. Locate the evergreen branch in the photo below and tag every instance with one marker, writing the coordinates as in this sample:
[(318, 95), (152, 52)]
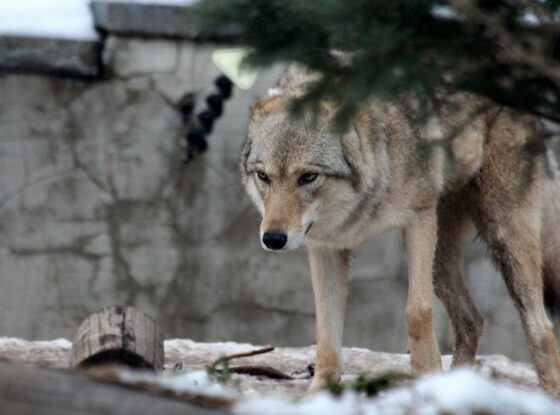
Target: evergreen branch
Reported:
[(403, 47)]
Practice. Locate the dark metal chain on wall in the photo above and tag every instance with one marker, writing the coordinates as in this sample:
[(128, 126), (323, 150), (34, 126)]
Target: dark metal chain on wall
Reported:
[(196, 136)]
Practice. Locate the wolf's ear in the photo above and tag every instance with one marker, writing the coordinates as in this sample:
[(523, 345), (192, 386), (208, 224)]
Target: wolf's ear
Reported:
[(245, 152), (265, 106)]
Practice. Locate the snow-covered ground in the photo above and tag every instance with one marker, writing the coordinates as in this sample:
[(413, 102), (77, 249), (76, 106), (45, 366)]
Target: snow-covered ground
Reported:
[(461, 391), (495, 386)]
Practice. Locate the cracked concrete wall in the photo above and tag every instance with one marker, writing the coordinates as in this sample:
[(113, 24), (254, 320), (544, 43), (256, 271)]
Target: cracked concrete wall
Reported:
[(96, 209)]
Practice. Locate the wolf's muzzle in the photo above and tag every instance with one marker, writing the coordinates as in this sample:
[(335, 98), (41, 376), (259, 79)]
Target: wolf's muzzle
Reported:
[(274, 240)]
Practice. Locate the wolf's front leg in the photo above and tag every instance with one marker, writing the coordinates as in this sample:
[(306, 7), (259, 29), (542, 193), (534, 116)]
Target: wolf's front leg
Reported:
[(420, 238), (329, 275)]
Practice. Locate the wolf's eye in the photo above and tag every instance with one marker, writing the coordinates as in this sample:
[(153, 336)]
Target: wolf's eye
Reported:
[(307, 178), (262, 176)]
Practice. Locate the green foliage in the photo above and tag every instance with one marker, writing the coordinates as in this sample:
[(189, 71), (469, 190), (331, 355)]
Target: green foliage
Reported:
[(219, 370), (404, 47), (369, 386)]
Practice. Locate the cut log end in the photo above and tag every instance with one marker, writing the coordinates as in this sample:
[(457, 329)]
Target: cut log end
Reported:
[(118, 335)]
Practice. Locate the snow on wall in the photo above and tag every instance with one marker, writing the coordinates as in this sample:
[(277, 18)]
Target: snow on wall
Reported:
[(57, 19), (47, 18), (162, 2)]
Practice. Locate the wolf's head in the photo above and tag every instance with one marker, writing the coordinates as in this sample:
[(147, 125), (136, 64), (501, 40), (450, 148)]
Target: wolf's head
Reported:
[(301, 176)]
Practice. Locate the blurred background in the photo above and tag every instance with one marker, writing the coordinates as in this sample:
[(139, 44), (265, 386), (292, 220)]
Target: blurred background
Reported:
[(98, 207)]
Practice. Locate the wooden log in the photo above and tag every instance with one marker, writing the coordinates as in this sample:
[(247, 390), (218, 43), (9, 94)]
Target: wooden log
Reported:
[(28, 390), (120, 335)]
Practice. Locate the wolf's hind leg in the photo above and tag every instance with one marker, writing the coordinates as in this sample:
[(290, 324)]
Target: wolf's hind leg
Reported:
[(507, 213), (514, 244), (466, 321), (420, 238)]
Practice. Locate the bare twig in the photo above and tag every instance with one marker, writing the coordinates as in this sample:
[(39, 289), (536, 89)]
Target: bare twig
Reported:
[(238, 355)]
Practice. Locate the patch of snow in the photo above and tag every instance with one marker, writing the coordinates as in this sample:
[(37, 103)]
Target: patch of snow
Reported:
[(445, 12), (195, 382), (51, 353), (162, 2), (528, 17), (272, 92), (225, 348), (66, 19), (459, 392), (64, 343), (321, 404), (15, 343), (464, 391), (502, 367)]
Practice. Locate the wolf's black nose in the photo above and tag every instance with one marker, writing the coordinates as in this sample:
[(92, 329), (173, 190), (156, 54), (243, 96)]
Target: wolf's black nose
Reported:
[(275, 240)]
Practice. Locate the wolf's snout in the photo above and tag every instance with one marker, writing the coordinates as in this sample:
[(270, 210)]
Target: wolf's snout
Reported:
[(274, 240)]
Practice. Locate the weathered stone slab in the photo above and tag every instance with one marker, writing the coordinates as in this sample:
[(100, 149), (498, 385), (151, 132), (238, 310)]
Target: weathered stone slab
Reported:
[(126, 57), (70, 57), (172, 18)]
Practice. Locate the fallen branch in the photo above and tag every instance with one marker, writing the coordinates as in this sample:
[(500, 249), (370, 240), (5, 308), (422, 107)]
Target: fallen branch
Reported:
[(265, 371), (222, 375)]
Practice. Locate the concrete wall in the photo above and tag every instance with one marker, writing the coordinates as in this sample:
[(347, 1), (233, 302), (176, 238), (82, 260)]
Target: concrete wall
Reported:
[(96, 208)]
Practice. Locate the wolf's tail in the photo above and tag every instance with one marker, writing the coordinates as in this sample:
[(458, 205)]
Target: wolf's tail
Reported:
[(550, 237), (552, 298)]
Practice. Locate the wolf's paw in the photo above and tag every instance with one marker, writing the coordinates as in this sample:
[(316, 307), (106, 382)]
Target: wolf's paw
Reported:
[(320, 382), (317, 384)]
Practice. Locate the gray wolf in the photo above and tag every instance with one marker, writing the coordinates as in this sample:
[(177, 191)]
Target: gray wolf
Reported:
[(331, 191)]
